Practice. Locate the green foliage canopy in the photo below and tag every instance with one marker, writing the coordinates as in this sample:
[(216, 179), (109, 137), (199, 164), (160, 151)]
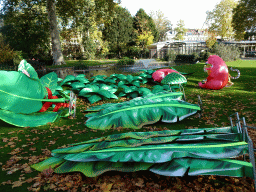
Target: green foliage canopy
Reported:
[(220, 18), (25, 26), (143, 22), (120, 31), (244, 18), (162, 24), (181, 30)]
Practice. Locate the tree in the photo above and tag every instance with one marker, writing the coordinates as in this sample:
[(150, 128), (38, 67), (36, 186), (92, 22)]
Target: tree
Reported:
[(244, 19), (68, 11), (163, 25), (55, 35), (26, 28), (181, 30), (144, 39), (119, 32), (219, 19), (143, 22), (211, 40)]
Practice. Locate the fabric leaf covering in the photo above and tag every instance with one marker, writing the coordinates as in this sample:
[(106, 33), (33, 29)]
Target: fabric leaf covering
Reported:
[(33, 119), (96, 93), (139, 112), (177, 95), (19, 93), (22, 95), (170, 153)]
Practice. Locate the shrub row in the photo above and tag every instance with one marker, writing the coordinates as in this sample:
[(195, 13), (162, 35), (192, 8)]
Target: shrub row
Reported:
[(226, 52), (126, 61)]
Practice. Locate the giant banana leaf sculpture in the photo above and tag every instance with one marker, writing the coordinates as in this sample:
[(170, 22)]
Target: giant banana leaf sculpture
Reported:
[(170, 153), (171, 95), (139, 112), (22, 95)]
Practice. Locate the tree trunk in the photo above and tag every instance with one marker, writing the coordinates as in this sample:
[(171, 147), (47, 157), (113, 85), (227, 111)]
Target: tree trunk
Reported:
[(58, 58)]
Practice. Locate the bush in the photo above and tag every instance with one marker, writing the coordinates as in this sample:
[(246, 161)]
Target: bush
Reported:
[(196, 57), (6, 54), (185, 59), (227, 52), (17, 57), (8, 57), (171, 56), (204, 55), (134, 51), (126, 61)]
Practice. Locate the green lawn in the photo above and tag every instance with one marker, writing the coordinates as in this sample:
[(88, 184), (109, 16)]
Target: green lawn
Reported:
[(21, 147), (70, 63)]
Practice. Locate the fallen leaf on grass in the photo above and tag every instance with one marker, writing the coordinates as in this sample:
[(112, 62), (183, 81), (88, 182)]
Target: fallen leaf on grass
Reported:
[(15, 151), (11, 143), (140, 183), (32, 149), (17, 184), (47, 172), (52, 142), (106, 187), (12, 171), (28, 170), (36, 184), (29, 180)]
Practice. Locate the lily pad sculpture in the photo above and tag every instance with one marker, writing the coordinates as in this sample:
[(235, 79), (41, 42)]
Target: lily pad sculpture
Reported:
[(206, 151), (174, 79), (24, 98), (138, 112)]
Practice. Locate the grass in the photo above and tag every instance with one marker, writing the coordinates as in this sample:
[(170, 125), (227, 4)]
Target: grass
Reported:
[(21, 147), (71, 63)]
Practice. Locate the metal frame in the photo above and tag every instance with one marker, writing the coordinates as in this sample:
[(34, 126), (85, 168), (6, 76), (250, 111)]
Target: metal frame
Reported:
[(242, 128), (180, 86), (72, 103)]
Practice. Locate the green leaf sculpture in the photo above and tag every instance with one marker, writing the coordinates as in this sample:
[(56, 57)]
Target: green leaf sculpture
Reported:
[(28, 70), (170, 95), (77, 86), (19, 93), (141, 112), (33, 119), (96, 93), (22, 94), (81, 78), (50, 80), (147, 75), (159, 88), (133, 91), (170, 153), (99, 78), (129, 80), (68, 80)]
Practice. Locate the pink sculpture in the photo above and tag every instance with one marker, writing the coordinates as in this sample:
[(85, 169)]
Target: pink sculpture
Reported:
[(218, 74), (161, 73)]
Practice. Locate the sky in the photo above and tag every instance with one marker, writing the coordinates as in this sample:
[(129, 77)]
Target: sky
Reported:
[(193, 12)]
